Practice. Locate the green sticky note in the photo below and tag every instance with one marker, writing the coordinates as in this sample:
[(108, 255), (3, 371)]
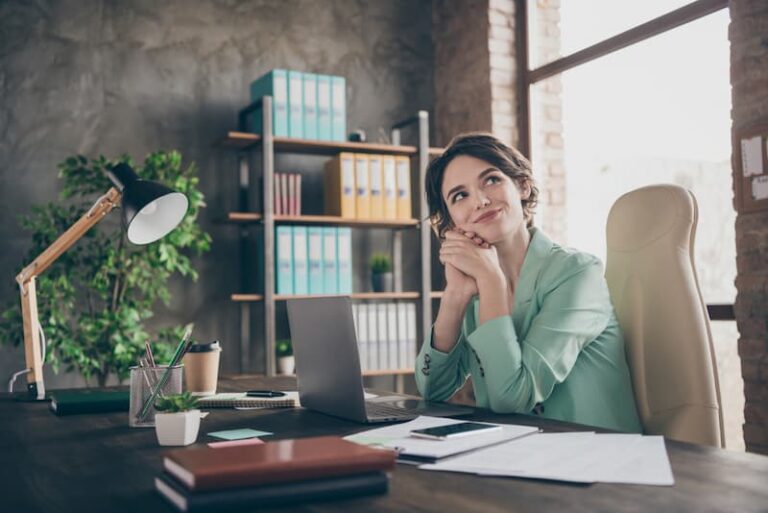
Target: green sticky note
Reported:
[(238, 434)]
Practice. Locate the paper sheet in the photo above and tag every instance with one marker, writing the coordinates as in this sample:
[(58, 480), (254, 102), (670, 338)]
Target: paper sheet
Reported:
[(752, 156), (573, 457)]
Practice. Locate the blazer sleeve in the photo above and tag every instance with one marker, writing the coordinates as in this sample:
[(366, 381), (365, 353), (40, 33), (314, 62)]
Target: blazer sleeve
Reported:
[(439, 375), (575, 309)]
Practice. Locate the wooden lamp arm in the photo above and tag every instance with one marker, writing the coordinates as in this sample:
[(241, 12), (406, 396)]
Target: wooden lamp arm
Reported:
[(26, 281)]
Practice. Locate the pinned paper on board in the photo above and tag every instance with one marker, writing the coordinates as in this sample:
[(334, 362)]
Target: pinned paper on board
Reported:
[(760, 187), (752, 156)]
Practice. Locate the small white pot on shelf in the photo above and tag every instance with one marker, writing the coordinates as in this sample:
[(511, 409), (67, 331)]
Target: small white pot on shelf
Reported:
[(177, 428), (286, 365)]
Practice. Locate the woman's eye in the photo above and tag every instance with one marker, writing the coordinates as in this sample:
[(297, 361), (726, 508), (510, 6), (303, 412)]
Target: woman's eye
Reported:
[(458, 196), (492, 180)]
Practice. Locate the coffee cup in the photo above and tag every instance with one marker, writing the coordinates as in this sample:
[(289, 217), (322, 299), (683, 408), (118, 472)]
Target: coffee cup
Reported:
[(201, 368)]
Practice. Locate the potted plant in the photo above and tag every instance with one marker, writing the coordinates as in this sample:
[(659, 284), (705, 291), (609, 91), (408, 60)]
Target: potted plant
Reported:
[(177, 420), (284, 352), (381, 272)]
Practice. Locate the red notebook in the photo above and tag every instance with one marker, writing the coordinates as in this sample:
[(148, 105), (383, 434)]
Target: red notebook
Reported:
[(205, 468)]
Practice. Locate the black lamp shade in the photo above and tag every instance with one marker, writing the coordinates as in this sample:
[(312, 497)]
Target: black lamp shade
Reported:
[(150, 210)]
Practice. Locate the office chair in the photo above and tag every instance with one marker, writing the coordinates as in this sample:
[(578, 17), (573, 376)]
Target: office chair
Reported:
[(652, 280)]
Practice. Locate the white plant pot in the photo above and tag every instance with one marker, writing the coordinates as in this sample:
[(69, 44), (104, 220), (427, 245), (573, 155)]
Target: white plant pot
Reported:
[(177, 428), (286, 365)]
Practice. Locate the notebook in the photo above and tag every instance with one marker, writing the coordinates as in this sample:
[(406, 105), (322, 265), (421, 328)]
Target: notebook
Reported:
[(240, 400), (68, 402), (281, 461), (240, 499)]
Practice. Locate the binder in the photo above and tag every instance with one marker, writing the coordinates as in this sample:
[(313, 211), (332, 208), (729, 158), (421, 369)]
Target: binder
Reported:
[(291, 177), (392, 341), (410, 312), (383, 346), (345, 260), (403, 166), (362, 196), (300, 260), (310, 106), (330, 261), (315, 259), (296, 104), (276, 199), (338, 109), (362, 336), (373, 338), (284, 259), (298, 195), (324, 107), (376, 186), (284, 193), (339, 191), (402, 336), (275, 84), (389, 175)]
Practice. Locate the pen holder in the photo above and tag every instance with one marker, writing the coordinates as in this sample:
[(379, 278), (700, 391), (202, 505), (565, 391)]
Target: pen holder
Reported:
[(143, 382)]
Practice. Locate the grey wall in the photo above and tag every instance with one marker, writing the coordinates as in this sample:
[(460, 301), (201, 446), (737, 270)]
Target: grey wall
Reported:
[(108, 77)]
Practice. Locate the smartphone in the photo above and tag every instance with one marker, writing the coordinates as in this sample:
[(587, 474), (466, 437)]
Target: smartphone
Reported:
[(454, 430)]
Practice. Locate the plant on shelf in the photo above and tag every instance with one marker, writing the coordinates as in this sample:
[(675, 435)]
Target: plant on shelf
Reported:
[(284, 353), (381, 272), (95, 300), (177, 421)]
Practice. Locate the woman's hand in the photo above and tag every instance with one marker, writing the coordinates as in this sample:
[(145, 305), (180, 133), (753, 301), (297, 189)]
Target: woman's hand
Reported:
[(470, 255)]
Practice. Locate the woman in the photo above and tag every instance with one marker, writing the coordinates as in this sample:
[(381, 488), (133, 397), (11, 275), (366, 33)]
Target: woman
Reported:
[(539, 334)]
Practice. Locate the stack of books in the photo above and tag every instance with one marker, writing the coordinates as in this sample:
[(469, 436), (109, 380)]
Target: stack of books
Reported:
[(360, 186), (304, 105), (287, 196), (313, 260), (386, 335), (274, 473)]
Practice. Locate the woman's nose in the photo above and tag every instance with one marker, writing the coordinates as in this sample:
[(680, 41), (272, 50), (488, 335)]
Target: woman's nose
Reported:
[(482, 201)]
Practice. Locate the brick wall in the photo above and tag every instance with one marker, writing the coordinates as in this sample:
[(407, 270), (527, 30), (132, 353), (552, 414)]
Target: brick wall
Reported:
[(749, 78)]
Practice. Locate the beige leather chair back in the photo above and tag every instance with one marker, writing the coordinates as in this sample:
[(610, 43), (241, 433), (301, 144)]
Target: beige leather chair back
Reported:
[(655, 291)]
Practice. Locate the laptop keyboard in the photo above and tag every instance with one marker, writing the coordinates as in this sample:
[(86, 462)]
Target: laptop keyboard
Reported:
[(386, 410)]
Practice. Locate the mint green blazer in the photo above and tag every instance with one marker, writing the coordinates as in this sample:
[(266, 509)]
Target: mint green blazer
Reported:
[(560, 354)]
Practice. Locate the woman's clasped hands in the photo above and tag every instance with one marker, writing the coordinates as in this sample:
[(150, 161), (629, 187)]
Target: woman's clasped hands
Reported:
[(468, 260)]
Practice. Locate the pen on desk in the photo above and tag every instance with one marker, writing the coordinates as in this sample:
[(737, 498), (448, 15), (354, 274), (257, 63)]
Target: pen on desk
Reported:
[(264, 393)]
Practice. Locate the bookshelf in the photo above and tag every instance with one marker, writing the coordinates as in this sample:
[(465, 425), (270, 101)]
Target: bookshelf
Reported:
[(261, 148)]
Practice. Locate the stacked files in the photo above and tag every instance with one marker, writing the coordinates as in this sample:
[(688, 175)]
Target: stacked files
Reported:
[(579, 457), (386, 335), (235, 478), (304, 105), (360, 186), (313, 260), (287, 197)]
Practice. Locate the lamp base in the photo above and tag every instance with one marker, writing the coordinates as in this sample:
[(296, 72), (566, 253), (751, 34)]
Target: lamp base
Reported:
[(31, 396)]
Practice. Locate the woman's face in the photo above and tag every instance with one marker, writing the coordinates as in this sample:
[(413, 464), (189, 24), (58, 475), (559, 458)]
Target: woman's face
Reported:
[(482, 199)]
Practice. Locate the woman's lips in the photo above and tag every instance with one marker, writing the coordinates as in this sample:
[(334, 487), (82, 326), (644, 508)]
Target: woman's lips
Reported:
[(488, 216)]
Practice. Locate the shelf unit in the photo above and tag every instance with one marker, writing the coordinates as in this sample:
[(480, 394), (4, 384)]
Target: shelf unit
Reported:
[(245, 143)]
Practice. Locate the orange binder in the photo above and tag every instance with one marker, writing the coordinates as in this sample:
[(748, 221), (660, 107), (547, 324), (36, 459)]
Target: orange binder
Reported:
[(403, 167), (340, 192)]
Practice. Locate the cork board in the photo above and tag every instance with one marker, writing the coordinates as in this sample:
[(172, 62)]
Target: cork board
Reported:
[(751, 173)]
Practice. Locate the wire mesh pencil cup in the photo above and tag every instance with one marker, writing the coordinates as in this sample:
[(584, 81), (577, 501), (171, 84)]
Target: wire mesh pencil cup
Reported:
[(143, 382)]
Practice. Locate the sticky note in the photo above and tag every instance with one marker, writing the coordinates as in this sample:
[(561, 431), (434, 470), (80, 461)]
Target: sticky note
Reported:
[(238, 434), (235, 443)]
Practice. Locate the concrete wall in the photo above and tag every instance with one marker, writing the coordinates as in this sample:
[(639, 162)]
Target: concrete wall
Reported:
[(112, 77)]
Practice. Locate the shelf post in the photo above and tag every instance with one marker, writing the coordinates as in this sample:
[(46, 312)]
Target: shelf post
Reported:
[(268, 176), (426, 228)]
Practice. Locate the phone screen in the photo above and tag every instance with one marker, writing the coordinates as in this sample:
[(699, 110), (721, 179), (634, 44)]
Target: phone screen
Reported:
[(453, 430)]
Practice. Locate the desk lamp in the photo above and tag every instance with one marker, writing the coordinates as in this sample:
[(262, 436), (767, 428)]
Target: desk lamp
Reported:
[(150, 212)]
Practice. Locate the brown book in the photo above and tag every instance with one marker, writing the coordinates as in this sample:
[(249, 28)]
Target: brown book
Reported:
[(206, 468)]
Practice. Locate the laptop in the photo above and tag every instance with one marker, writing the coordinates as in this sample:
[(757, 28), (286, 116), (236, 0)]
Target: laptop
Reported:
[(328, 367)]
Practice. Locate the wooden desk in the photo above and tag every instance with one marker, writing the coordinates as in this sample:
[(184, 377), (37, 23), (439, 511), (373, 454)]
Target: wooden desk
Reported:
[(87, 463)]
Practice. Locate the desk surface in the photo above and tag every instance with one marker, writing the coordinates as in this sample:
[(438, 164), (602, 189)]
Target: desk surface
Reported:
[(97, 463)]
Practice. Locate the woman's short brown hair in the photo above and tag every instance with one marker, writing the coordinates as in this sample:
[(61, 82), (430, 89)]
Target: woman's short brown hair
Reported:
[(489, 149)]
